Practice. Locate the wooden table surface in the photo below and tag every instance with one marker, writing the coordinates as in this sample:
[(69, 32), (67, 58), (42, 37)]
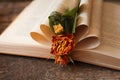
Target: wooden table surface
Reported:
[(27, 68)]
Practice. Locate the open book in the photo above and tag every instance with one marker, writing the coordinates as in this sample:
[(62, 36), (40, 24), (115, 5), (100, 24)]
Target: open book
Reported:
[(97, 32)]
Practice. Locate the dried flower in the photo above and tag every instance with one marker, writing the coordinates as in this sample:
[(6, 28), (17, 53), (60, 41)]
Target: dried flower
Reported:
[(62, 60), (58, 28), (61, 47), (63, 25)]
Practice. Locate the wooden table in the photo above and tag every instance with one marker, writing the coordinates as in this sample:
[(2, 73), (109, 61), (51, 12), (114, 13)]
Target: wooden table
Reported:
[(27, 68)]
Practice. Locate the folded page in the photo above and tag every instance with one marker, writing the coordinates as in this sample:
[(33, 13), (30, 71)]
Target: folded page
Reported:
[(91, 39), (108, 52), (84, 17)]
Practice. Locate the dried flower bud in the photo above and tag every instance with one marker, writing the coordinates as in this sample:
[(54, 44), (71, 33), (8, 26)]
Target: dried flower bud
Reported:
[(58, 28)]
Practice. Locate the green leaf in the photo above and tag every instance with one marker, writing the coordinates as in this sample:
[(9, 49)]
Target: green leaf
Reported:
[(68, 20), (67, 23), (75, 18), (75, 23), (72, 12), (54, 19)]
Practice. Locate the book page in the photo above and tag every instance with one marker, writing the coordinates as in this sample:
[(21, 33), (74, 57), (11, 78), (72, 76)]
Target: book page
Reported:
[(110, 32), (84, 17), (92, 38), (107, 54), (111, 22)]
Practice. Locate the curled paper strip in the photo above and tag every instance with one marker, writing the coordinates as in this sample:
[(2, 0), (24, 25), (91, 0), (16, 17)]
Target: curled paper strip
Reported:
[(88, 27), (91, 39)]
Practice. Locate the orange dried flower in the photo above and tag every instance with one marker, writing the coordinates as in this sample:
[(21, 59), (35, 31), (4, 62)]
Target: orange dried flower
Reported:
[(61, 47), (62, 60)]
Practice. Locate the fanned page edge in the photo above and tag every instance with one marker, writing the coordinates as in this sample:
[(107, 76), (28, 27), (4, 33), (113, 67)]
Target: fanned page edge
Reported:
[(92, 40), (83, 22)]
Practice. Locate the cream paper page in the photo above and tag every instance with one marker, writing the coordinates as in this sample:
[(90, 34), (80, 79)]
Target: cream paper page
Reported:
[(108, 53), (84, 17), (92, 38), (110, 30)]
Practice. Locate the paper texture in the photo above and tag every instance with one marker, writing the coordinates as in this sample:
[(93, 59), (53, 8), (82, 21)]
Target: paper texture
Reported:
[(110, 30), (84, 17), (110, 40), (92, 37)]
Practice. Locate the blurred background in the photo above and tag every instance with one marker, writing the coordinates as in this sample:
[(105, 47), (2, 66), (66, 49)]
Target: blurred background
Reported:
[(9, 9)]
